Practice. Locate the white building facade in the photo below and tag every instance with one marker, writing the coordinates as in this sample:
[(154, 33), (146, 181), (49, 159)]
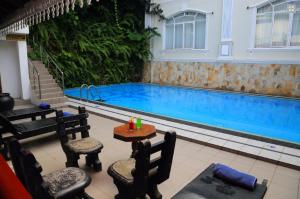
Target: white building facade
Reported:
[(14, 72), (238, 45)]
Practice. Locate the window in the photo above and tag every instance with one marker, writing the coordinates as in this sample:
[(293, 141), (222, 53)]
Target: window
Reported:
[(186, 31), (278, 24)]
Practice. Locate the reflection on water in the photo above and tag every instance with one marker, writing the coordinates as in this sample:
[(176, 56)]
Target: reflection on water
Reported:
[(266, 116)]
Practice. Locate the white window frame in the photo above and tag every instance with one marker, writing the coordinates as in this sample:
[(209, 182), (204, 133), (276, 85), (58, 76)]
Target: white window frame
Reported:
[(194, 29), (253, 32)]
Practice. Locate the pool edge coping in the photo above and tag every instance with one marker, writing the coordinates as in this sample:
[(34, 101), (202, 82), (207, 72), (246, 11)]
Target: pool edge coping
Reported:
[(203, 126), (221, 147)]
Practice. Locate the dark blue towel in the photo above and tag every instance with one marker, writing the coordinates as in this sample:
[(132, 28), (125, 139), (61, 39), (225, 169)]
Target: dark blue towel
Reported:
[(235, 177), (67, 114), (44, 105)]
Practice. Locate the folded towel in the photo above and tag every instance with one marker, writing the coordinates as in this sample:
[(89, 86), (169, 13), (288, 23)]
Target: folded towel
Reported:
[(67, 114), (44, 105), (235, 177)]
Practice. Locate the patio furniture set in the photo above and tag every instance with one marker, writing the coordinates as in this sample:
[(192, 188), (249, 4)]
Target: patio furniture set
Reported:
[(134, 177)]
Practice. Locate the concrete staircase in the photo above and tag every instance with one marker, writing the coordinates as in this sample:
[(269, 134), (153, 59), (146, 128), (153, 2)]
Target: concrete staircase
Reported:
[(50, 91)]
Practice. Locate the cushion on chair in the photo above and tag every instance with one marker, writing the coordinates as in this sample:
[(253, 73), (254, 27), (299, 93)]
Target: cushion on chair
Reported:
[(66, 114), (63, 182), (122, 170), (85, 145)]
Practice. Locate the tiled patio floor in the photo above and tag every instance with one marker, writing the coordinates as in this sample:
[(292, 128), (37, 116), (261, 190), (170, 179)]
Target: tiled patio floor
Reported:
[(190, 159)]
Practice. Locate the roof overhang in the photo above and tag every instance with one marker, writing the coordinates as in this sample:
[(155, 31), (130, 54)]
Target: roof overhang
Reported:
[(16, 14)]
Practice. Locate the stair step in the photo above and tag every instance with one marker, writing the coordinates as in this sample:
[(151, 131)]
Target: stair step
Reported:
[(51, 85), (59, 106), (41, 70), (52, 95), (20, 102), (23, 106), (51, 90), (44, 77), (47, 90), (55, 100), (36, 62), (46, 81), (43, 73)]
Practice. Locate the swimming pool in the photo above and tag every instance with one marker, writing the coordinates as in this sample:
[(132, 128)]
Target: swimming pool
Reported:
[(270, 117)]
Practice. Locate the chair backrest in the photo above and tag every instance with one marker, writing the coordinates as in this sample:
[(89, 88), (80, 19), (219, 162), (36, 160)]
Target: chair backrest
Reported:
[(72, 124), (158, 169), (14, 148), (28, 170), (141, 170)]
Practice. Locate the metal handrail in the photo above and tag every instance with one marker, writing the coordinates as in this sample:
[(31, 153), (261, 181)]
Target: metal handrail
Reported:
[(81, 87), (88, 90), (49, 59), (35, 71), (57, 69), (46, 58)]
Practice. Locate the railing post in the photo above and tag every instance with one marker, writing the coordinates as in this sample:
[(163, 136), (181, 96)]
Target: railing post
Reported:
[(40, 90), (63, 81), (34, 86)]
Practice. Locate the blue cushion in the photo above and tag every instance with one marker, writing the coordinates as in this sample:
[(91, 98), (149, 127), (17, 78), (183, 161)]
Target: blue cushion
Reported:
[(67, 114), (44, 105), (235, 177)]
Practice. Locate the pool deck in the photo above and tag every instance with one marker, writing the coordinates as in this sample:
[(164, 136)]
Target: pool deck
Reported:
[(190, 159), (266, 151)]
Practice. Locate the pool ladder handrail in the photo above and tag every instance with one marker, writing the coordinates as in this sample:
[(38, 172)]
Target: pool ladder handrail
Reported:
[(88, 90), (90, 87), (81, 87)]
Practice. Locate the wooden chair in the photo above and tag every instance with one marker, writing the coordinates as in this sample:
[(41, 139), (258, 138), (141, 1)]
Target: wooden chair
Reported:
[(64, 184), (138, 176), (74, 147)]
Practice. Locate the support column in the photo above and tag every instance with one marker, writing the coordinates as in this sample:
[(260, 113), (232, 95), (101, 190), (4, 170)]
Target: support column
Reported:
[(225, 49), (24, 73)]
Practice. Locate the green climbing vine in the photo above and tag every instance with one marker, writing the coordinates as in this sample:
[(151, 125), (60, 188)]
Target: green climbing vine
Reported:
[(101, 44)]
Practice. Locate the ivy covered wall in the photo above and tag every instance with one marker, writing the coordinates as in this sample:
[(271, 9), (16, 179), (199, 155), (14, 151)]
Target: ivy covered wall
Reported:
[(100, 44)]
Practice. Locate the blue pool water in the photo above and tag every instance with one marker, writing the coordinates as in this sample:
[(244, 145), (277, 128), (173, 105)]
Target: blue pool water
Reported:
[(271, 117)]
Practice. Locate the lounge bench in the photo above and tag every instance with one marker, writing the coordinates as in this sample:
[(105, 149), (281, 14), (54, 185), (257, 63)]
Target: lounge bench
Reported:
[(27, 113), (25, 130), (207, 186)]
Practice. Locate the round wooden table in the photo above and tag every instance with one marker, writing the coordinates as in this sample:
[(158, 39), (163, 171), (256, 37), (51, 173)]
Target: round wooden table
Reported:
[(134, 135)]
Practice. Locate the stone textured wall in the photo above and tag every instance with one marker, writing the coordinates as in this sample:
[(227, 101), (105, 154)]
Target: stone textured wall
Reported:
[(271, 79), (147, 72)]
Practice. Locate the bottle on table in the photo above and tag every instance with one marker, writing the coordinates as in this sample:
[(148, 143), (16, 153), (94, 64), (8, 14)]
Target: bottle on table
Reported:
[(131, 123), (138, 123)]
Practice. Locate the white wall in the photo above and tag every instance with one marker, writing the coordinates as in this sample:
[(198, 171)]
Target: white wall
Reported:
[(9, 68), (242, 30), (242, 19), (171, 7), (24, 72)]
